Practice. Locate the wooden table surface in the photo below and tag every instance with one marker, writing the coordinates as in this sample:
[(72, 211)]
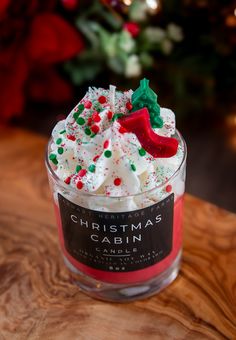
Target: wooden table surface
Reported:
[(38, 301)]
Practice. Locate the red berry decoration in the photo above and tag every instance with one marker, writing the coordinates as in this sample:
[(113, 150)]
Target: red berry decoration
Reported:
[(117, 181), (102, 99), (133, 28), (168, 188), (139, 123), (95, 128)]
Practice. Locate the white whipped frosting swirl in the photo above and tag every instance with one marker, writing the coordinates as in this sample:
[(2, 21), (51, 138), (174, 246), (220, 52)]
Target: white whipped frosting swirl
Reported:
[(91, 153)]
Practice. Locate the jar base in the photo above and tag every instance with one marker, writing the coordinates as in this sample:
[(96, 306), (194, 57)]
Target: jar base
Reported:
[(124, 292)]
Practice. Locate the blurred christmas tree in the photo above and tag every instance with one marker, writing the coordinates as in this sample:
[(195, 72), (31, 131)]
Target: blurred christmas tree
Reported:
[(186, 48)]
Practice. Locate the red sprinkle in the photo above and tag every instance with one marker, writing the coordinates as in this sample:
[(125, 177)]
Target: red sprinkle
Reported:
[(90, 121), (96, 118), (82, 172), (122, 130), (129, 106), (96, 158), (79, 185), (109, 115), (88, 104), (168, 188), (102, 99), (67, 180), (71, 137), (117, 181), (106, 144), (95, 128)]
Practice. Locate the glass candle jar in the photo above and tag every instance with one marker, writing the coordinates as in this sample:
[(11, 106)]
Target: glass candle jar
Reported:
[(121, 248)]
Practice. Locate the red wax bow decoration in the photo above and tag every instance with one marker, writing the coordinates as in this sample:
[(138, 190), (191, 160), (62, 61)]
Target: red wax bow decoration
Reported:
[(138, 122)]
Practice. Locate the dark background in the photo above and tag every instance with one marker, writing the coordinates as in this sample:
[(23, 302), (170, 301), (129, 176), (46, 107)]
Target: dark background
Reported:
[(197, 79)]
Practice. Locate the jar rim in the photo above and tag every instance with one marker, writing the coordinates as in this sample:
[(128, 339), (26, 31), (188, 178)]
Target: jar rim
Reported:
[(90, 194)]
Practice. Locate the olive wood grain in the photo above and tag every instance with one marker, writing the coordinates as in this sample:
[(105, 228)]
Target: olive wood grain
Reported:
[(38, 301)]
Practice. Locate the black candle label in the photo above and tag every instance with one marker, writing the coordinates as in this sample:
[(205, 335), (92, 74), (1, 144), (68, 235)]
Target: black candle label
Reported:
[(119, 241)]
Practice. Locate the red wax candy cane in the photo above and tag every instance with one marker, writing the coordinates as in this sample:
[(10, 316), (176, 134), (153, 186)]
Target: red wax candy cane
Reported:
[(138, 122)]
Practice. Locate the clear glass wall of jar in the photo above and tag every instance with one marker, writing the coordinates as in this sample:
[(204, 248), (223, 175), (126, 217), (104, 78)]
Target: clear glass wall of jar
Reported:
[(121, 248)]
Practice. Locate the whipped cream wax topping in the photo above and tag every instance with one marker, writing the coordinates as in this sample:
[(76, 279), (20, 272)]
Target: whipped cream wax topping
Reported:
[(92, 152)]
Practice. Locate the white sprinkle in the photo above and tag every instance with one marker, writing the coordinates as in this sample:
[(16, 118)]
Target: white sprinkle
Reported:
[(112, 89)]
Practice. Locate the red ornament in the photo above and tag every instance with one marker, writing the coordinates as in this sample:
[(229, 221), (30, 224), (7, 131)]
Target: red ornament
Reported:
[(106, 144), (95, 128), (82, 172), (69, 4), (117, 181), (71, 137), (79, 185), (88, 104), (133, 28), (109, 115), (129, 106), (102, 99), (168, 188), (138, 122), (67, 180)]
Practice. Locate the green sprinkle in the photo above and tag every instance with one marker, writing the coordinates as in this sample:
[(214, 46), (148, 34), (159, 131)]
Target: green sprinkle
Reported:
[(133, 167), (63, 131), (80, 121), (59, 140), (60, 151), (142, 152), (80, 108), (92, 168), (53, 158), (117, 116), (93, 135), (107, 153), (76, 115), (78, 168), (87, 131)]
